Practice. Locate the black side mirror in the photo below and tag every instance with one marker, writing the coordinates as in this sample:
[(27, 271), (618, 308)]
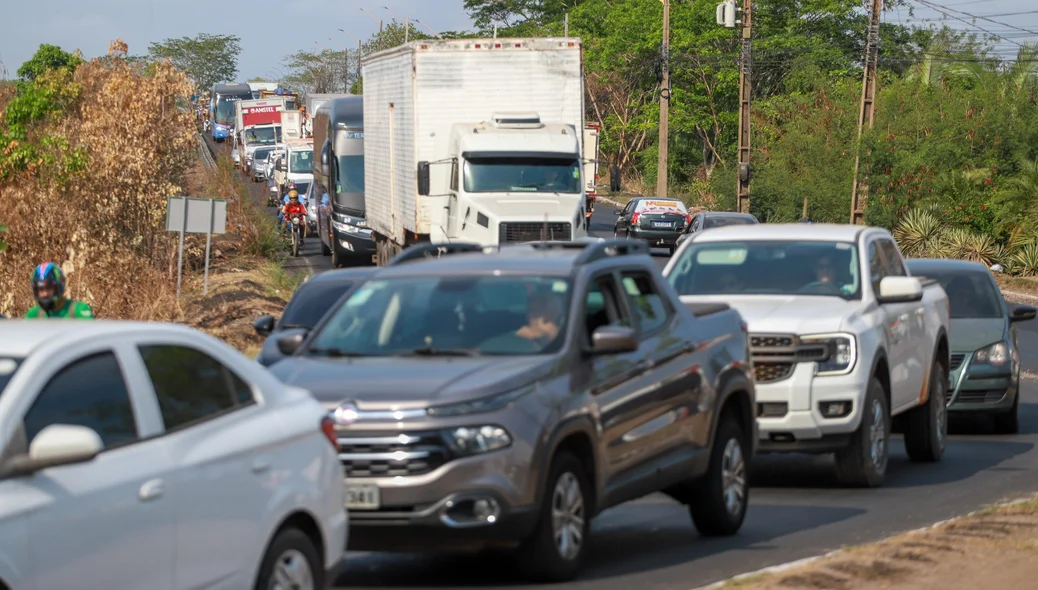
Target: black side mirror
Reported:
[(290, 342), (325, 158), (423, 178), (618, 212), (613, 340), (1022, 313), (264, 326)]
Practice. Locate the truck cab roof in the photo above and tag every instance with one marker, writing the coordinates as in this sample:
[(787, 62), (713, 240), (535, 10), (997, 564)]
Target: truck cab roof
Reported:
[(550, 138), (299, 144)]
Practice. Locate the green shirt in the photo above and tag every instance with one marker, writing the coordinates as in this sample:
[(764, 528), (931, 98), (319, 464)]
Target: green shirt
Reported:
[(76, 310)]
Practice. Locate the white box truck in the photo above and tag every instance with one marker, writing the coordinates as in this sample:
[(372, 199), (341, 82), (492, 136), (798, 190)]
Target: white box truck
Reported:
[(470, 140)]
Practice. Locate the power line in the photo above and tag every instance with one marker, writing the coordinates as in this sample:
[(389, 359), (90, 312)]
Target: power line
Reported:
[(973, 16)]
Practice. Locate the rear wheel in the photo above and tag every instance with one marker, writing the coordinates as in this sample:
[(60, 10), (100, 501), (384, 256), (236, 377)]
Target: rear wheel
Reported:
[(291, 563), (1009, 422), (926, 427), (864, 462), (718, 505)]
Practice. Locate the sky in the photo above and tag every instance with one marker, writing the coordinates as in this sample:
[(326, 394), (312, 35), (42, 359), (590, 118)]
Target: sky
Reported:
[(271, 29)]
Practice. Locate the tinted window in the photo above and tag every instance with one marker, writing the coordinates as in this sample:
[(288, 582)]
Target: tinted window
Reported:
[(719, 221), (876, 270), (351, 174), (90, 392), (192, 386), (8, 366), (646, 302), (892, 266), (971, 294), (601, 307), (311, 302)]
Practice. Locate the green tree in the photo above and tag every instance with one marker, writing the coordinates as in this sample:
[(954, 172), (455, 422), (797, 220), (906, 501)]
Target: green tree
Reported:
[(48, 57), (514, 13), (207, 59)]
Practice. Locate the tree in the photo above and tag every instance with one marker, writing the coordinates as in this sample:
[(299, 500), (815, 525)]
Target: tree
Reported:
[(315, 72), (48, 57), (207, 59), (511, 13)]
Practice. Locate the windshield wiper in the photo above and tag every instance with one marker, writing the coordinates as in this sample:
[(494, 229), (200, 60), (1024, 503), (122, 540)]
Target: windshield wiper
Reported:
[(433, 351), (335, 352)]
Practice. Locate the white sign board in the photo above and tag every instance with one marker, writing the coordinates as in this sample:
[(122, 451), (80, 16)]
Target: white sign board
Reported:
[(203, 215)]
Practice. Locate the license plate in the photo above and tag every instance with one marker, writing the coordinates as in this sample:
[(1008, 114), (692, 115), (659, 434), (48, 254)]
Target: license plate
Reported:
[(662, 224), (363, 497)]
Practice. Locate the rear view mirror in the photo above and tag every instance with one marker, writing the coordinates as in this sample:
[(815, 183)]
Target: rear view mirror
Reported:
[(423, 178), (323, 165), (613, 340), (900, 290), (264, 326), (1022, 313), (54, 446), (274, 189), (291, 341)]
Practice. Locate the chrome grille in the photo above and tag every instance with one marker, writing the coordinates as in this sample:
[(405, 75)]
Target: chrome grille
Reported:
[(956, 360), (392, 455), (770, 372), (532, 231)]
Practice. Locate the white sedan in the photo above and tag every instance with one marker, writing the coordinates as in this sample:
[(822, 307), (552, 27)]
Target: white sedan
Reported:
[(147, 455)]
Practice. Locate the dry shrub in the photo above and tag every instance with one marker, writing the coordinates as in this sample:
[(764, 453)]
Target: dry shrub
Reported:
[(105, 225)]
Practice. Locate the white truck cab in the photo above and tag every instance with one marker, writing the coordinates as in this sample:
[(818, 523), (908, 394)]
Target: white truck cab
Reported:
[(847, 346), (296, 165)]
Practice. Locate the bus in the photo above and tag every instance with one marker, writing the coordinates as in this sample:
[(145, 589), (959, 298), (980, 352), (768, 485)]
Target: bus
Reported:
[(258, 87), (221, 107)]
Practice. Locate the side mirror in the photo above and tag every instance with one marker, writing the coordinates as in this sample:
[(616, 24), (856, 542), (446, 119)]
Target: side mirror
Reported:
[(618, 212), (274, 190), (423, 178), (323, 166), (264, 326), (291, 341), (54, 446), (899, 290), (280, 166), (613, 340), (1022, 313)]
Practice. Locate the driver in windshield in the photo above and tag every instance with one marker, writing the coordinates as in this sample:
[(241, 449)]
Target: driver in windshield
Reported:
[(553, 180), (824, 270), (543, 315)]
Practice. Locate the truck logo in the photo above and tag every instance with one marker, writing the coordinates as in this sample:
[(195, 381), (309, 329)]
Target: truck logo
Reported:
[(346, 413)]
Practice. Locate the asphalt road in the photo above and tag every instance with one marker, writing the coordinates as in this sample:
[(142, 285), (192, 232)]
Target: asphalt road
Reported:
[(796, 510)]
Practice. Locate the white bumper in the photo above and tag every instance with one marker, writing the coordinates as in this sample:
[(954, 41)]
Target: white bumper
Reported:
[(803, 392)]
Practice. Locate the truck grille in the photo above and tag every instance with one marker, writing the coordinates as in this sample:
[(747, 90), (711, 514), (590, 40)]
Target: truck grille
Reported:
[(531, 231), (770, 341), (771, 372), (956, 360), (392, 455)]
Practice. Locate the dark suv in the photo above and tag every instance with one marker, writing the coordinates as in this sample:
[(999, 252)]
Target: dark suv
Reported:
[(504, 397)]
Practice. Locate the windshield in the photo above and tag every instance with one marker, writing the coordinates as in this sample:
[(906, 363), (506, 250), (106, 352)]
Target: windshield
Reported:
[(971, 294), (454, 315), (718, 221), (511, 174), (302, 162), (263, 135), (8, 366), (301, 188), (261, 153), (225, 112), (768, 268), (351, 175), (311, 302)]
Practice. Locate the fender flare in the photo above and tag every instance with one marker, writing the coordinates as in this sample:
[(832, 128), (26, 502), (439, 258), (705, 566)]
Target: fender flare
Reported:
[(732, 382), (543, 455)]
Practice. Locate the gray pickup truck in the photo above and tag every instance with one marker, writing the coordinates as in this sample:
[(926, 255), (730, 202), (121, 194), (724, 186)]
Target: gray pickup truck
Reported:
[(504, 397)]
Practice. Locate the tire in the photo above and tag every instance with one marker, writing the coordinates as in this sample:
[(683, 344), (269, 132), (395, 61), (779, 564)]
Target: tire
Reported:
[(295, 243), (719, 503), (294, 549), (926, 427), (1009, 422), (540, 558), (855, 465)]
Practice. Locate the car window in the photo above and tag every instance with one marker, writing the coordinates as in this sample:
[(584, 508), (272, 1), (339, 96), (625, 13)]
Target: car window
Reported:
[(602, 308), (89, 392), (722, 220), (191, 386), (970, 294), (311, 302), (646, 302), (661, 206), (8, 366), (892, 265), (876, 270)]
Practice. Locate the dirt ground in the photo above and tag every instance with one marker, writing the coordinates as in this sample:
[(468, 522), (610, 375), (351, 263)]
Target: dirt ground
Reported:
[(995, 548)]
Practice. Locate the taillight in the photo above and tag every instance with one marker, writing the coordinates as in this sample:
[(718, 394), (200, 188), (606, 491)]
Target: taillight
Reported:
[(634, 218), (688, 219), (328, 428)]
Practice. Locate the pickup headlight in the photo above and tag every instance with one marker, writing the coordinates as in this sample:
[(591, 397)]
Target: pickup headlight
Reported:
[(473, 440), (996, 355), (844, 355), (481, 405)]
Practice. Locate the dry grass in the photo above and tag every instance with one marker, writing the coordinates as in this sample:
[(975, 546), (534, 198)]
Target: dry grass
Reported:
[(994, 548)]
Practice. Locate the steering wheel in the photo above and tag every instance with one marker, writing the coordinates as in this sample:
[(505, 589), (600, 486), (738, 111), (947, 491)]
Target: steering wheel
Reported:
[(820, 288)]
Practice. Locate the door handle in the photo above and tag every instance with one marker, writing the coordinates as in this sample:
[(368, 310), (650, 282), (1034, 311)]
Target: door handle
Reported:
[(260, 466), (151, 490)]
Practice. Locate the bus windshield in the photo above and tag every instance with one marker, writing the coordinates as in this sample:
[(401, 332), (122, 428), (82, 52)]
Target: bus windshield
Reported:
[(350, 172), (225, 111)]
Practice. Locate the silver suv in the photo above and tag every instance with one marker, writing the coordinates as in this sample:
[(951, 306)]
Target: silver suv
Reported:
[(506, 397)]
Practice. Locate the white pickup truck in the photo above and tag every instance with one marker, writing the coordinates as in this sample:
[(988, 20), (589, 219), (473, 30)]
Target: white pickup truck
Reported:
[(846, 345)]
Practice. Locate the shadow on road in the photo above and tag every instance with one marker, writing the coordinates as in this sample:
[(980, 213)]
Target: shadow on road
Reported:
[(625, 541)]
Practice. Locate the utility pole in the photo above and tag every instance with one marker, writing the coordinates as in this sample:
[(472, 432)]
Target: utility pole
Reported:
[(860, 189), (661, 172), (745, 86)]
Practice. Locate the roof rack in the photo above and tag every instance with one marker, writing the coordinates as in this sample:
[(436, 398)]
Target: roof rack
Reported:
[(423, 251), (598, 249)]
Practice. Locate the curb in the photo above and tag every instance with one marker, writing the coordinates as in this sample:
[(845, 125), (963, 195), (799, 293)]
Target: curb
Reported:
[(782, 567), (1019, 297)]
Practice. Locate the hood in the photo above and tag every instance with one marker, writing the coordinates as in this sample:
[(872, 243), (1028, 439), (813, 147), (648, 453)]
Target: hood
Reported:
[(969, 334), (400, 383), (787, 314)]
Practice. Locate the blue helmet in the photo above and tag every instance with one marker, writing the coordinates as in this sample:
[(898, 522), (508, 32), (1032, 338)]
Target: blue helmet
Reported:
[(48, 276)]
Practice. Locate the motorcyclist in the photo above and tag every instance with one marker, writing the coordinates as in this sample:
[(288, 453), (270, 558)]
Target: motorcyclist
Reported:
[(294, 207), (48, 286)]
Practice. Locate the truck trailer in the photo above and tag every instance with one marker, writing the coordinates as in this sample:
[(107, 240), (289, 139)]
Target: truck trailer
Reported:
[(474, 140)]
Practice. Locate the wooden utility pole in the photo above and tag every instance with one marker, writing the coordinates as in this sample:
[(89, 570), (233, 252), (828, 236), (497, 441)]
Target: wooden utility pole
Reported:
[(661, 172), (745, 86), (860, 189)]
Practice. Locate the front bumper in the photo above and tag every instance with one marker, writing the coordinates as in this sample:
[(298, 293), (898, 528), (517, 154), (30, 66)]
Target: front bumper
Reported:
[(656, 238), (978, 389)]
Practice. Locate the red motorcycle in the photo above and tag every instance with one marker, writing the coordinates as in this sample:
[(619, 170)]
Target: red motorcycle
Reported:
[(297, 229)]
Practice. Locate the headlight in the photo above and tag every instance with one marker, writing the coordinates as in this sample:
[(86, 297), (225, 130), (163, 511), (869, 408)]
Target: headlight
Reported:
[(473, 440), (996, 355), (482, 405), (844, 353), (346, 228), (295, 220)]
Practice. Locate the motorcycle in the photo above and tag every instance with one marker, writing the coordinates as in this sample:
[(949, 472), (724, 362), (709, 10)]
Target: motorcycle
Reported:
[(297, 234)]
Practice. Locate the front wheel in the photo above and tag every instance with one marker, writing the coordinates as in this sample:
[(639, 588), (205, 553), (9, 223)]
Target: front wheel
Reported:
[(295, 243), (291, 563), (927, 425), (718, 505), (864, 462)]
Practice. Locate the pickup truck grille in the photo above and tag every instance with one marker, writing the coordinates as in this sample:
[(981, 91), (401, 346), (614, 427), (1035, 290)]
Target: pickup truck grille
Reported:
[(771, 372), (392, 455), (956, 360), (775, 355), (770, 341), (531, 231)]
